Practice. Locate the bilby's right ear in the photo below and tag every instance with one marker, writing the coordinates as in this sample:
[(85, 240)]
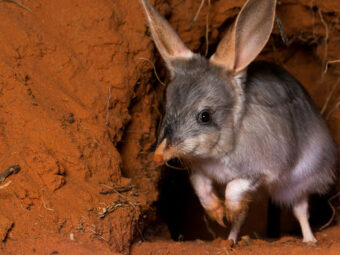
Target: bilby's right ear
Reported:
[(168, 43), (247, 37)]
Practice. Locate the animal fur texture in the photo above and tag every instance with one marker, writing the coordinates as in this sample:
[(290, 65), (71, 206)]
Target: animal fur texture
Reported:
[(241, 123)]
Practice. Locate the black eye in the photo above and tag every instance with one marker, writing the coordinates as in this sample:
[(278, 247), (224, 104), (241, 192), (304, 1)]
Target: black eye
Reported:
[(204, 117)]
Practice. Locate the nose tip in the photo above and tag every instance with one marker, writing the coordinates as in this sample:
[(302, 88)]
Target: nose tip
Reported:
[(158, 159), (159, 153)]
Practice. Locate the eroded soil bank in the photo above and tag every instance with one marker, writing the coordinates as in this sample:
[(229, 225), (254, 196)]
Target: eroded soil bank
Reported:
[(80, 106)]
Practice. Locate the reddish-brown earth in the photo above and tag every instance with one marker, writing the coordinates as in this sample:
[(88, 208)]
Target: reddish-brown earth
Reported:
[(80, 107), (329, 244)]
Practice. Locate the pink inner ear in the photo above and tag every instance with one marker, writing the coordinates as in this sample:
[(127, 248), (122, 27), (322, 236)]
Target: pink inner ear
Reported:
[(167, 41), (247, 37), (253, 28), (225, 53)]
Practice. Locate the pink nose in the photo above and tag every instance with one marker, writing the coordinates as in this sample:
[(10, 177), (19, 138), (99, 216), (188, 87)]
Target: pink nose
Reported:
[(158, 157)]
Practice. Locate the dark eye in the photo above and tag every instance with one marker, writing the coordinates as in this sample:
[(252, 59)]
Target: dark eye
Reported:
[(204, 117)]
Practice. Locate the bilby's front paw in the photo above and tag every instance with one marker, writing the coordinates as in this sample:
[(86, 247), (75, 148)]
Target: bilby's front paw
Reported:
[(217, 214)]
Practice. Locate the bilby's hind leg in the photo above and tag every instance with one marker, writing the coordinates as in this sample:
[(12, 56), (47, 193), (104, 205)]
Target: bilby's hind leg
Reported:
[(300, 210)]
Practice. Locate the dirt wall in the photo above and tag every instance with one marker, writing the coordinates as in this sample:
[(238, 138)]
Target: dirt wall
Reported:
[(70, 83), (80, 105)]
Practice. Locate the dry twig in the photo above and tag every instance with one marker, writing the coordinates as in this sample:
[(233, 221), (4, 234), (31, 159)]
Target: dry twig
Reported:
[(95, 232), (335, 108), (326, 37), (17, 3), (330, 62), (197, 13), (5, 185), (333, 211), (44, 205), (108, 109), (119, 203), (154, 69), (283, 33), (118, 190), (207, 29), (329, 97)]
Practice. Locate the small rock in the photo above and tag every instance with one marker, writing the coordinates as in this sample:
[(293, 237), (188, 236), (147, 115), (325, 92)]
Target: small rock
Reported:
[(125, 181), (70, 118), (245, 240)]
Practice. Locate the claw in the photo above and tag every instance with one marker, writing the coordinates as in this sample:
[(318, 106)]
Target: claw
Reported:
[(312, 242), (217, 214)]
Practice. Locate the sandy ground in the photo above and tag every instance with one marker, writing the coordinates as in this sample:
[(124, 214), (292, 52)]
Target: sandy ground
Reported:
[(329, 244)]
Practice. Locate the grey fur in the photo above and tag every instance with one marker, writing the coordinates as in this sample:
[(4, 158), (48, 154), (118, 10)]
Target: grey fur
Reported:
[(264, 128), (280, 136)]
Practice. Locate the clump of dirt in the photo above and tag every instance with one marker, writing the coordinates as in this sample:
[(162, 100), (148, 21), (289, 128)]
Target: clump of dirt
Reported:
[(80, 107)]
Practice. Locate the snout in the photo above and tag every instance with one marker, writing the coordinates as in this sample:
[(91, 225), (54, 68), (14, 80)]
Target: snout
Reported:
[(164, 153), (158, 157)]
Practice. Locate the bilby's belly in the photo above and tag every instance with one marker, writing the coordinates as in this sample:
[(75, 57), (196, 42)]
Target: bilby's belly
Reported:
[(220, 171)]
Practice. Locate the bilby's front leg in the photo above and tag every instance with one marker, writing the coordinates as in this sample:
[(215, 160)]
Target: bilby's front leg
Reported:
[(237, 197), (210, 202)]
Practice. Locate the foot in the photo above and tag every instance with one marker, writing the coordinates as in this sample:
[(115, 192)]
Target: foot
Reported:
[(217, 214), (310, 240), (300, 211), (232, 240), (229, 243)]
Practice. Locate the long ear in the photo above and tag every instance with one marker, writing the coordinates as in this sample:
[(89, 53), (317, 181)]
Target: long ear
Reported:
[(167, 41), (247, 37)]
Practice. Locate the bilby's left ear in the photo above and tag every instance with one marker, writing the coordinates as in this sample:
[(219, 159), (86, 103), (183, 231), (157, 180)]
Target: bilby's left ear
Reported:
[(168, 43), (247, 37)]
